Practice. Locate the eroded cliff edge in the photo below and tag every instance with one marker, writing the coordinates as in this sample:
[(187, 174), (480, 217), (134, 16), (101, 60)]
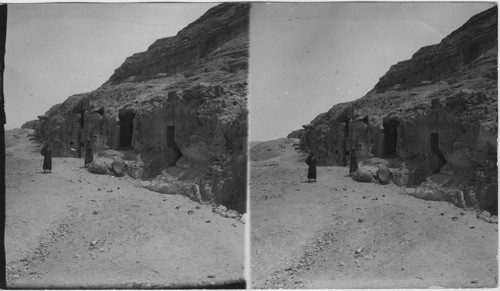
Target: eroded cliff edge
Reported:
[(433, 116), (176, 112)]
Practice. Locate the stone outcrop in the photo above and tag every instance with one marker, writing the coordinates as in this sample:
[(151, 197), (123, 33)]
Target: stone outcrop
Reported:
[(181, 104), (32, 124), (436, 112)]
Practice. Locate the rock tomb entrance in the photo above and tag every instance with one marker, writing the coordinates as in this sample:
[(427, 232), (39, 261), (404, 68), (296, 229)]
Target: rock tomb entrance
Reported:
[(391, 137), (439, 157), (126, 129), (173, 145)]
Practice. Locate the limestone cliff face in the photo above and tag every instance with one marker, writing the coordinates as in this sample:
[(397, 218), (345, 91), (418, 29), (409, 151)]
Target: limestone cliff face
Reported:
[(436, 112), (220, 25), (177, 110)]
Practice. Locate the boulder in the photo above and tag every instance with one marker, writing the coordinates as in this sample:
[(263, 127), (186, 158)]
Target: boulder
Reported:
[(118, 166), (99, 166), (383, 174), (363, 175)]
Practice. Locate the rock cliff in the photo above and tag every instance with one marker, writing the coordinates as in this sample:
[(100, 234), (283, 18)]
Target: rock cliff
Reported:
[(177, 111), (437, 113)]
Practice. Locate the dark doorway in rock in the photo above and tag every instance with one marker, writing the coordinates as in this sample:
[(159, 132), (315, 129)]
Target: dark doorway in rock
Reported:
[(82, 120), (173, 145), (437, 153), (126, 129), (391, 137)]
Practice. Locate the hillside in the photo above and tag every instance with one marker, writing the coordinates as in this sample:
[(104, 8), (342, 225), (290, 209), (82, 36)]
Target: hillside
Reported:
[(179, 110), (436, 113)]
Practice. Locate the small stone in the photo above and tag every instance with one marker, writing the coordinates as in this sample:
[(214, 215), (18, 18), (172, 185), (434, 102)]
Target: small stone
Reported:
[(454, 218), (211, 276), (474, 281), (462, 213), (471, 227), (207, 221), (360, 220), (341, 264), (95, 212), (442, 214), (359, 250), (190, 212), (93, 243), (243, 218)]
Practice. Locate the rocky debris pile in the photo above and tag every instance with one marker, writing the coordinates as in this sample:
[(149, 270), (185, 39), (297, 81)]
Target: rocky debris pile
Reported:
[(23, 266), (436, 112), (433, 191), (486, 216), (181, 104), (172, 185), (223, 211)]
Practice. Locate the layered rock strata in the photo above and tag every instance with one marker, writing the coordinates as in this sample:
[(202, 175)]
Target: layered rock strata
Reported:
[(436, 112), (178, 110)]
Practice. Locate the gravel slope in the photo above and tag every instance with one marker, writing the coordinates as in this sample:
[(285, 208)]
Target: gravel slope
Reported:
[(338, 233), (72, 229)]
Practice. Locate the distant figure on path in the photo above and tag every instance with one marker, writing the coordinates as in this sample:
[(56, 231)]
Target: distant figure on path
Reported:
[(89, 157), (354, 162), (311, 161), (47, 156)]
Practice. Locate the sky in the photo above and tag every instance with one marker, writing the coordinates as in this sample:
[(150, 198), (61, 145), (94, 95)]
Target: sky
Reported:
[(307, 57), (54, 51)]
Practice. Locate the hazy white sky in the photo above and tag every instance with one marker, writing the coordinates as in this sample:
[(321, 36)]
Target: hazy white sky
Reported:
[(307, 57), (56, 50)]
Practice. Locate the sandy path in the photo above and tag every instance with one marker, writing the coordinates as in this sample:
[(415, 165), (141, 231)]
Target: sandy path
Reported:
[(338, 233), (72, 228)]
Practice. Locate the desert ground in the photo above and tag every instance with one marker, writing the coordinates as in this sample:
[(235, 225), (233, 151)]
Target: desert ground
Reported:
[(338, 233), (74, 229)]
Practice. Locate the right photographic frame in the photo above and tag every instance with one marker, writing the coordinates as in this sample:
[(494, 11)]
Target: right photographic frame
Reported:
[(373, 145)]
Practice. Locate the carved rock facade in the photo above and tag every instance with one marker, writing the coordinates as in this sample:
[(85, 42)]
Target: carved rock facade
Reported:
[(436, 112), (181, 105)]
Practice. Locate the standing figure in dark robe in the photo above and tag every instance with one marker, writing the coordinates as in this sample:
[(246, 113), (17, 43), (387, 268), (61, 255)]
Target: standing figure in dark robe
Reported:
[(311, 161), (47, 157), (354, 162), (89, 156)]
